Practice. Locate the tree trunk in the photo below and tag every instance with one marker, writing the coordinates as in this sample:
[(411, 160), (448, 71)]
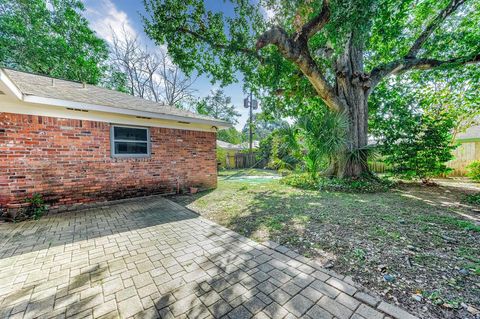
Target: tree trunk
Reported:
[(352, 88)]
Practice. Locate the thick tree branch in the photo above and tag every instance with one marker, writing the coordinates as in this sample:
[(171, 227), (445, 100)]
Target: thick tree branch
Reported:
[(316, 24), (407, 64), (449, 9), (410, 61), (293, 48), (297, 52)]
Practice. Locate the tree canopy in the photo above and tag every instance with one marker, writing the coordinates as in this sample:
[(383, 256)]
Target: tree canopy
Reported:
[(306, 54), (51, 38), (396, 36)]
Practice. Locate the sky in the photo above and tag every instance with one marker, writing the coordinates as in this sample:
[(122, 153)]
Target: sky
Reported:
[(106, 14)]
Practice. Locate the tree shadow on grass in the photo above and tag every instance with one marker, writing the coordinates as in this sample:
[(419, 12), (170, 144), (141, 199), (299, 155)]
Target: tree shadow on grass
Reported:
[(374, 228)]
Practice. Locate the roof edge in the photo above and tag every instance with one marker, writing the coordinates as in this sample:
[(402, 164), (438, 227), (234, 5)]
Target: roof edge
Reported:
[(10, 85), (102, 108), (109, 109)]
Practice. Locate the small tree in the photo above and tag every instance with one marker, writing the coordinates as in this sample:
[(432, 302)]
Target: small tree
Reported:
[(415, 126), (219, 106), (145, 73), (419, 145)]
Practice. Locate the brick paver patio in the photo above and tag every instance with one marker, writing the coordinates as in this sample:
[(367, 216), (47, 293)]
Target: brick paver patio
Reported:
[(151, 258)]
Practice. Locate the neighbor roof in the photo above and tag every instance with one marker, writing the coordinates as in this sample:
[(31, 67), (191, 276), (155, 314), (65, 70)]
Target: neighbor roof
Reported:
[(237, 147), (228, 146), (472, 132), (55, 90)]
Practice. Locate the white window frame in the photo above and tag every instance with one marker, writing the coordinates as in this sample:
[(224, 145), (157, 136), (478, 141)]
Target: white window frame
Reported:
[(113, 140)]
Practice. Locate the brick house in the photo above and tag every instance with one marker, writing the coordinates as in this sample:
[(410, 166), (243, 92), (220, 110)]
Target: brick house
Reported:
[(75, 143)]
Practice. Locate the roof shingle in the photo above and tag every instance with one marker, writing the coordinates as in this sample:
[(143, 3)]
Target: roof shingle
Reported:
[(47, 87)]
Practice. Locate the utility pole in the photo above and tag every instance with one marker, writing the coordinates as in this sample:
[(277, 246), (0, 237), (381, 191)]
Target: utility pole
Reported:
[(252, 104)]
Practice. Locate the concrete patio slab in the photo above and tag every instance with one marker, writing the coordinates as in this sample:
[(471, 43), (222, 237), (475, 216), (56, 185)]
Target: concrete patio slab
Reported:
[(152, 258)]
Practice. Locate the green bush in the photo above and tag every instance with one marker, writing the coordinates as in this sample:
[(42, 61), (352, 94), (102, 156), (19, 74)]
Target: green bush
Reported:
[(366, 184), (303, 181), (474, 171)]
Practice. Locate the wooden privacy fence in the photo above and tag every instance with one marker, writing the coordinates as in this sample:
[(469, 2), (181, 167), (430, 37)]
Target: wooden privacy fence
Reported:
[(465, 154), (377, 166), (248, 160)]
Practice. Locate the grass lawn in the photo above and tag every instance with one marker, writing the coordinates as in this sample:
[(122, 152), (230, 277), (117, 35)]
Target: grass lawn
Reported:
[(425, 238)]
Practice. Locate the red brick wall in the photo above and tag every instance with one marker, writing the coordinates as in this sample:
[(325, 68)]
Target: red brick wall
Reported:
[(68, 161)]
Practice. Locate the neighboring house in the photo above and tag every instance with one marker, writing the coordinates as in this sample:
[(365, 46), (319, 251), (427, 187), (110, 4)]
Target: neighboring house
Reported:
[(233, 149), (75, 143), (467, 152)]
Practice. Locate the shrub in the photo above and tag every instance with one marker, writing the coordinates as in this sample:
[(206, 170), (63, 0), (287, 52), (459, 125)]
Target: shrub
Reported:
[(303, 181), (474, 171), (365, 184), (37, 207)]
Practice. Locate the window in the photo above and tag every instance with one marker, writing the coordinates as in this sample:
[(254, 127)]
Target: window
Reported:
[(127, 141)]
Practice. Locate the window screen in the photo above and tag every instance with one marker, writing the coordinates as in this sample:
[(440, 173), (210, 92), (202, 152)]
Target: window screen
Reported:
[(130, 141)]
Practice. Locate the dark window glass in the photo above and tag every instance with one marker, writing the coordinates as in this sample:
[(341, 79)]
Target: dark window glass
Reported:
[(131, 148), (130, 134)]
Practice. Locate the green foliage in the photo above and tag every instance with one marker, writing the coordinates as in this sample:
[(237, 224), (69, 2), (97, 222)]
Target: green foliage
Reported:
[(230, 135), (37, 207), (219, 106), (263, 125), (473, 198), (117, 81), (54, 41), (365, 184), (324, 138), (474, 170), (221, 156), (359, 254), (280, 149), (436, 298), (284, 172), (313, 162), (223, 45), (451, 221), (303, 181), (415, 135)]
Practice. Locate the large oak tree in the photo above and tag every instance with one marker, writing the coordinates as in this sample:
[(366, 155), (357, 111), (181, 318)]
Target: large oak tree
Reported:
[(307, 53)]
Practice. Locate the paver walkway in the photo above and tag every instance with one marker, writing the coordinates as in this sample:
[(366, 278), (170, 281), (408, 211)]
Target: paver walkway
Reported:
[(151, 258)]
